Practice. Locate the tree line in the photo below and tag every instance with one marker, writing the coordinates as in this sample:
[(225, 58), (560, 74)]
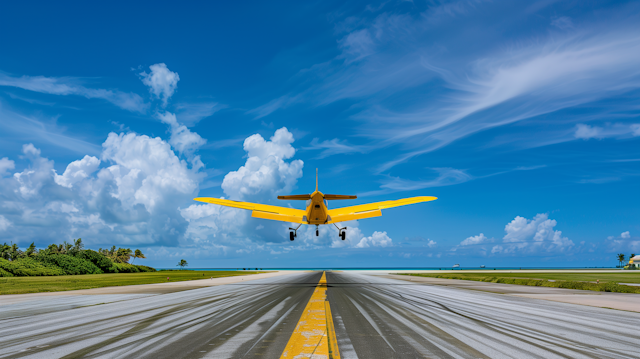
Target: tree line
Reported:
[(67, 259)]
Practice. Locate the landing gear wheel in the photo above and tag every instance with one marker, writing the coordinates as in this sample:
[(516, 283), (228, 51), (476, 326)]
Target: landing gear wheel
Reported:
[(343, 235), (291, 236), (317, 232)]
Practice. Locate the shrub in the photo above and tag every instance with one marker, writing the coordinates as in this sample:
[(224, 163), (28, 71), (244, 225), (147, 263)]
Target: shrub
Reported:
[(29, 267), (98, 259), (4, 273), (126, 268), (69, 264), (142, 268)]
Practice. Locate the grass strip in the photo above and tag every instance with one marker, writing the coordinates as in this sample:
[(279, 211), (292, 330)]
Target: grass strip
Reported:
[(22, 285), (608, 282)]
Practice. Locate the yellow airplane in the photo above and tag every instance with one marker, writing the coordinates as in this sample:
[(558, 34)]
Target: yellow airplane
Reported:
[(317, 212)]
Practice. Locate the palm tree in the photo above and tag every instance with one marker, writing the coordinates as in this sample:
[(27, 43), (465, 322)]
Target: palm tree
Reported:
[(4, 251), (621, 258), (14, 252), (31, 251), (123, 255), (78, 245), (138, 254), (182, 264)]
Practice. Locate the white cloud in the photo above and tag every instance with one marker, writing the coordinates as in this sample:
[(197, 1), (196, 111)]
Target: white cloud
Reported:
[(625, 242), (182, 139), (36, 176), (586, 131), (77, 171), (496, 83), (357, 45), (6, 165), (479, 239), (265, 173), (4, 223), (70, 86), (192, 113), (432, 243), (377, 239), (146, 171), (334, 147), (162, 82), (533, 235)]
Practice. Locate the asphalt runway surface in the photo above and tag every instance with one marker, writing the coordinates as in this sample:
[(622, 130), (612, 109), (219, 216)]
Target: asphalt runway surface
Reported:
[(373, 317)]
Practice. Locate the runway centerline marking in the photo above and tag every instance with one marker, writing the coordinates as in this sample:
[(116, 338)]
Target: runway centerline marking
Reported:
[(314, 336)]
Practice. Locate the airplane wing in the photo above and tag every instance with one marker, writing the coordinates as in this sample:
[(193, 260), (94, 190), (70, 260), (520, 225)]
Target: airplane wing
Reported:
[(265, 211), (369, 210)]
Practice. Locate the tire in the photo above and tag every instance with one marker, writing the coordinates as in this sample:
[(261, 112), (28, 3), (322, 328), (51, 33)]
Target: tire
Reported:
[(317, 233), (291, 236), (344, 234)]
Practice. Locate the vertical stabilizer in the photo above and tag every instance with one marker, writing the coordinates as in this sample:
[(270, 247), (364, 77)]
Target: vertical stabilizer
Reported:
[(316, 180)]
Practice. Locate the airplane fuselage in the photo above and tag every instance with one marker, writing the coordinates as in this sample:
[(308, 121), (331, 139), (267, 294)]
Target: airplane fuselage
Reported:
[(317, 211)]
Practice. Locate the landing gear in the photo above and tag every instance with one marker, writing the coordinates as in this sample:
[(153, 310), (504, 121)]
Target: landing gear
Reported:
[(294, 232), (342, 232), (317, 231)]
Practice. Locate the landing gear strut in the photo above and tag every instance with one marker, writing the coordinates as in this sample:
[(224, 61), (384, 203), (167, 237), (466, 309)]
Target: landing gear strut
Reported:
[(294, 232), (342, 232)]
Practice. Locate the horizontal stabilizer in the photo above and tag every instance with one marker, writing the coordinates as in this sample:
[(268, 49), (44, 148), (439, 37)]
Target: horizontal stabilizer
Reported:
[(330, 197), (297, 197)]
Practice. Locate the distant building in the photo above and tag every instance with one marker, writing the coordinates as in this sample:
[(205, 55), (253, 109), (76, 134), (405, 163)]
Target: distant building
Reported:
[(634, 262)]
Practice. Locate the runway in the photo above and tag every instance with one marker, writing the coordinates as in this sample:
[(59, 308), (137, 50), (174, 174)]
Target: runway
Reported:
[(372, 317)]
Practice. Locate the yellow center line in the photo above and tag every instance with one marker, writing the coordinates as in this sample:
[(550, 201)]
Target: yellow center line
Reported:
[(314, 336)]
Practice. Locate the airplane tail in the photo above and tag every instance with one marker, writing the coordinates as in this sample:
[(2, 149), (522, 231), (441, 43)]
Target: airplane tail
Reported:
[(328, 197)]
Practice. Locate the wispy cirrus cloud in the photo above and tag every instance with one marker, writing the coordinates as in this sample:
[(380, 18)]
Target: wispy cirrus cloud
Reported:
[(43, 131), (65, 86), (335, 147), (192, 113), (461, 83)]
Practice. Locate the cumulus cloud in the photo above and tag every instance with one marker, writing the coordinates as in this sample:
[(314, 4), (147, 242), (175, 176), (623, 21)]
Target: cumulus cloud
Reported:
[(182, 139), (4, 223), (377, 239), (265, 173), (479, 239), (6, 165), (625, 242), (432, 243), (77, 171), (70, 86), (162, 82), (532, 235), (132, 199)]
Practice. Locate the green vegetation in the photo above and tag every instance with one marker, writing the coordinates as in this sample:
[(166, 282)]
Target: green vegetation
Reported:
[(182, 263), (20, 285), (28, 267), (571, 280), (67, 259)]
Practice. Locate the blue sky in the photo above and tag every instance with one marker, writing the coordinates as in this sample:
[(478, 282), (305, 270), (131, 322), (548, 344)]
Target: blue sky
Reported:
[(522, 117)]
